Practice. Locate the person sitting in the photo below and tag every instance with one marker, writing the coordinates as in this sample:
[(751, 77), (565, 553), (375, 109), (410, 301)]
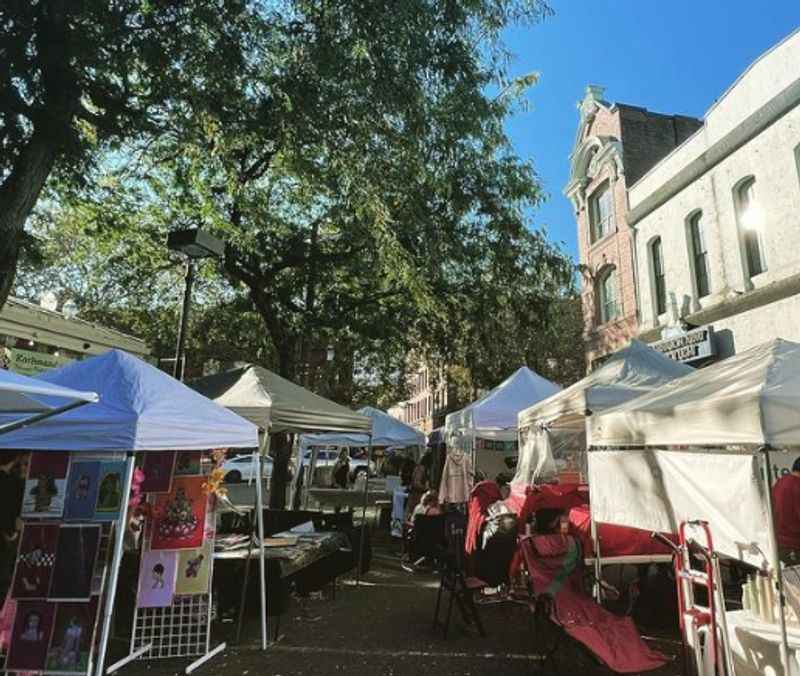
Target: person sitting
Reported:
[(786, 499), (428, 506), (341, 470)]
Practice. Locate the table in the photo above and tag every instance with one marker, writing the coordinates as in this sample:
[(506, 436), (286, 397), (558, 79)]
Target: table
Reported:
[(756, 645), (286, 560), (344, 497)]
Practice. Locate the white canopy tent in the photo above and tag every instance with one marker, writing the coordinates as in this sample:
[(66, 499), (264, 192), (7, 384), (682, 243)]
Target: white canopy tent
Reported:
[(699, 448), (553, 431), (25, 401), (386, 431), (140, 409), (276, 404), (494, 415)]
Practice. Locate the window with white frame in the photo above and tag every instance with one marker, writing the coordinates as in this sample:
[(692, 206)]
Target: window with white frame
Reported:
[(699, 253), (659, 278), (607, 291), (751, 225), (600, 212)]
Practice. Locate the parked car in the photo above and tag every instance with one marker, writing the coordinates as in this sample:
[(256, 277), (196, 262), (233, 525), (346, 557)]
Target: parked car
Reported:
[(327, 457), (242, 468)]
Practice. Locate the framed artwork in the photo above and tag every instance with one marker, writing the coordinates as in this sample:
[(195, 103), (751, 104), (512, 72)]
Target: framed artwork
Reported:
[(179, 516), (194, 570), (157, 579), (35, 561), (30, 637), (46, 485), (71, 641), (82, 486), (76, 556), (109, 491), (188, 463), (158, 467)]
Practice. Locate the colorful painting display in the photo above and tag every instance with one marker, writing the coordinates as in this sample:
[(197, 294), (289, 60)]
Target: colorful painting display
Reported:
[(109, 491), (180, 516), (76, 555), (194, 570), (46, 485), (35, 561), (158, 467), (82, 487), (188, 463), (71, 642), (30, 637), (157, 579)]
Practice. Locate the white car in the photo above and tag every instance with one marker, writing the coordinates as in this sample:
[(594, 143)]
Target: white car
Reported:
[(328, 458), (242, 468)]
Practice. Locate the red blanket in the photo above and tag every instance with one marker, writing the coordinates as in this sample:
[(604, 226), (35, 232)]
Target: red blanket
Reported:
[(554, 566), (614, 540)]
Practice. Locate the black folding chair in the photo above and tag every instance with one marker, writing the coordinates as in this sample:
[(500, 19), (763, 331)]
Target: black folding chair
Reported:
[(454, 582)]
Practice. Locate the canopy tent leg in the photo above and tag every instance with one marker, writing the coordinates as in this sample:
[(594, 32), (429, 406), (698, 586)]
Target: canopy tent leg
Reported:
[(364, 514), (298, 473), (776, 563), (116, 561), (262, 573), (598, 567), (309, 480)]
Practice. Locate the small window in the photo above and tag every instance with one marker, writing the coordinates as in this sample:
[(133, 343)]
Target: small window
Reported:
[(608, 296), (600, 212), (699, 253), (751, 224), (659, 280)]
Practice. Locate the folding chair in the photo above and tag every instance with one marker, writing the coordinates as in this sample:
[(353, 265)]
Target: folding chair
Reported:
[(424, 540), (454, 582), (561, 606)]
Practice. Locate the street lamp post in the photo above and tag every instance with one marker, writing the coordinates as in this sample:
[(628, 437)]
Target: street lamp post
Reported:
[(194, 244)]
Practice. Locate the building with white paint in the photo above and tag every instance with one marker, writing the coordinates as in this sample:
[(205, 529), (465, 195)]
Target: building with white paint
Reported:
[(716, 223)]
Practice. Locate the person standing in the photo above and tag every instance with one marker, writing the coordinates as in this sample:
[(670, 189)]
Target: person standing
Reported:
[(786, 504), (341, 470), (12, 489)]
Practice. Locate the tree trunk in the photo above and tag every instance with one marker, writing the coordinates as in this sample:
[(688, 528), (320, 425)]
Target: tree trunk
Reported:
[(18, 196)]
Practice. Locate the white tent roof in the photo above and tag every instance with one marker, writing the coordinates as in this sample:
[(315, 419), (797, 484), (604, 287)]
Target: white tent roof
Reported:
[(750, 398), (270, 401), (140, 409), (627, 374), (386, 431), (498, 409), (21, 394)]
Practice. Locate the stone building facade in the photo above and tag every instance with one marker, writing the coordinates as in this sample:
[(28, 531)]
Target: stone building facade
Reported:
[(716, 222), (429, 402), (615, 145)]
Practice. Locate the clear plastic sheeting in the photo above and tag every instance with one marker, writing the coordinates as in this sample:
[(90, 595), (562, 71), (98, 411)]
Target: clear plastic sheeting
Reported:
[(547, 454), (657, 489)]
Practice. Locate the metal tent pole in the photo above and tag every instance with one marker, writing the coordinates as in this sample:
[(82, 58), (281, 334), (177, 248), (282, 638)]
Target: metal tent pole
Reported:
[(116, 561), (309, 479), (260, 520), (364, 514), (776, 563)]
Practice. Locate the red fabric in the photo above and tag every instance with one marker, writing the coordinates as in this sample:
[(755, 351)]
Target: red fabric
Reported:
[(614, 640), (786, 503), (614, 540), (547, 496), (483, 494)]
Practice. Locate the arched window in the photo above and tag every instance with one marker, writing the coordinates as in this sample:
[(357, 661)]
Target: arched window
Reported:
[(659, 280), (751, 225), (699, 254), (607, 290), (600, 212)]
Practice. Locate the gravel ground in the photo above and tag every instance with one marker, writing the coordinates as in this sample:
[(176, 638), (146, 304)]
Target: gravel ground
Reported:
[(384, 628)]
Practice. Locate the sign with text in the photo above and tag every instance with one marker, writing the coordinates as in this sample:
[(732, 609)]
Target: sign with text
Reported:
[(28, 362), (689, 347)]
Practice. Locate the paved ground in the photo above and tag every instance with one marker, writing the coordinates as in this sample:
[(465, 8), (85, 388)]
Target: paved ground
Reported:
[(384, 628)]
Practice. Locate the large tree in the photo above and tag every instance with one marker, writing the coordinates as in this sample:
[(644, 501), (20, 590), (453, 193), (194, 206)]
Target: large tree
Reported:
[(79, 76)]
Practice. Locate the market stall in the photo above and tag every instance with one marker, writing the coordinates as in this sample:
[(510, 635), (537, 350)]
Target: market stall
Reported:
[(486, 429), (81, 482), (700, 448), (276, 404)]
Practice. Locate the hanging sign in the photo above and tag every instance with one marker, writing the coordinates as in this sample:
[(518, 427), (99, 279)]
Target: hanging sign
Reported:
[(688, 347), (28, 362)]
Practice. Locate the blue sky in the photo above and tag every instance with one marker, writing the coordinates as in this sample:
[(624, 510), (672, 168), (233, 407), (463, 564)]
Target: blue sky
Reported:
[(670, 57)]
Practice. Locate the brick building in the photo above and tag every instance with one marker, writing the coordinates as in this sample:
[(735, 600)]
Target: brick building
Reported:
[(615, 145), (428, 402)]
